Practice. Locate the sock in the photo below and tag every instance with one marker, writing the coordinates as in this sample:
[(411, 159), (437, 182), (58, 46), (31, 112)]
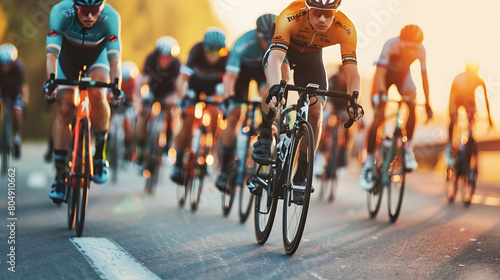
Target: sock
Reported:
[(408, 145), (17, 139), (100, 144), (227, 155), (60, 161)]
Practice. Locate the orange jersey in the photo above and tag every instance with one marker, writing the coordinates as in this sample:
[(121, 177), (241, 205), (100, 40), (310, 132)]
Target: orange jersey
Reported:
[(294, 30)]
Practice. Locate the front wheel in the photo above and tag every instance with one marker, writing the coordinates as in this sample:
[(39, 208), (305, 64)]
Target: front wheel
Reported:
[(396, 176), (298, 189), (450, 189), (82, 178)]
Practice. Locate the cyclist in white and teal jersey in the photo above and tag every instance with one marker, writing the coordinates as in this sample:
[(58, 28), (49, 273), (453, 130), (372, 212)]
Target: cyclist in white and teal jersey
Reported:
[(82, 32), (244, 65)]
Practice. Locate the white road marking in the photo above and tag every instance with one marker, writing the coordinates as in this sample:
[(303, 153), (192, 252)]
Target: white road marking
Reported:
[(110, 261)]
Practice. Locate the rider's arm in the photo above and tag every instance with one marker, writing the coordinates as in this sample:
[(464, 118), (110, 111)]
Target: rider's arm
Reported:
[(229, 81), (353, 80), (54, 38), (349, 60), (181, 84), (425, 79), (114, 45), (483, 84)]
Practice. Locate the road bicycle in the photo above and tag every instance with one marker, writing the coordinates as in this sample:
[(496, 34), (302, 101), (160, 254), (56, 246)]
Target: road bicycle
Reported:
[(389, 170), (116, 150), (200, 157), (80, 162), (6, 135), (463, 173), (287, 179), (242, 167)]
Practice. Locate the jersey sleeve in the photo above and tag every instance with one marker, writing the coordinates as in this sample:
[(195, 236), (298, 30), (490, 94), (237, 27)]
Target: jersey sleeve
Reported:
[(113, 36), (54, 37), (282, 33), (348, 47), (234, 61)]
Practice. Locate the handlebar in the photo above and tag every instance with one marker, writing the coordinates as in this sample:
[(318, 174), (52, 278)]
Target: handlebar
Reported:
[(83, 84), (313, 89)]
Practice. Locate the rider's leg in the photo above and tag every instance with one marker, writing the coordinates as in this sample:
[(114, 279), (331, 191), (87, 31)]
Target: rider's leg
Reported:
[(50, 148), (182, 142), (141, 129), (129, 137), (17, 124), (229, 135)]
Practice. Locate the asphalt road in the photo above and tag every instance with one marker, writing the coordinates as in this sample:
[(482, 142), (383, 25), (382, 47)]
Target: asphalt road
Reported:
[(129, 235)]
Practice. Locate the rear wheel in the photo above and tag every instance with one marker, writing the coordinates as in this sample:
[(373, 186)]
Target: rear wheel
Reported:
[(396, 176), (196, 187), (298, 193), (450, 189)]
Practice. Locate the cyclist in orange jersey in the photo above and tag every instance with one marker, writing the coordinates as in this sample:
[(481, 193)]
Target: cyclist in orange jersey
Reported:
[(302, 30), (462, 94), (393, 68)]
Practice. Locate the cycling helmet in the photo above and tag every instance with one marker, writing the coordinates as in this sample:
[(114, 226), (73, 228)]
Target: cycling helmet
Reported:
[(323, 4), (214, 39), (129, 70), (79, 3), (264, 25), (472, 66), (8, 54), (412, 33), (167, 46)]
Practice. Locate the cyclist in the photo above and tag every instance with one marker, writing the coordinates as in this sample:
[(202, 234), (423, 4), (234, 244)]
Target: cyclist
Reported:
[(201, 75), (243, 65), (393, 68), (82, 32), (13, 89), (161, 70), (130, 77), (301, 31), (462, 94)]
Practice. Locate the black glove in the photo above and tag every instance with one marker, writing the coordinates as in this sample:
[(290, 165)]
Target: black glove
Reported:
[(273, 92)]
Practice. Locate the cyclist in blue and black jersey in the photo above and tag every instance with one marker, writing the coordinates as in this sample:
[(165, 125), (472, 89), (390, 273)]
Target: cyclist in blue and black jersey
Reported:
[(201, 75), (82, 32), (13, 89), (244, 65), (161, 70)]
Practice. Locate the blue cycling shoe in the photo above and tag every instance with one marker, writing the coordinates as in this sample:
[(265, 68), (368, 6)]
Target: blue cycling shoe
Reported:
[(100, 171), (57, 193)]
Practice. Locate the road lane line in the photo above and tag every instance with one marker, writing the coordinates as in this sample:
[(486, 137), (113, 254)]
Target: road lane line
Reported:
[(110, 261)]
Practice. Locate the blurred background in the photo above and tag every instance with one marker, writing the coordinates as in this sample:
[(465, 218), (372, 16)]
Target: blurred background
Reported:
[(455, 32)]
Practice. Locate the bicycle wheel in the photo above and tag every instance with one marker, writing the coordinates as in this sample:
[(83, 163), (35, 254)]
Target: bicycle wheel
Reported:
[(245, 197), (298, 192), (70, 193), (5, 141), (82, 177), (266, 201), (396, 176), (227, 197), (113, 162), (154, 156), (450, 189), (374, 196), (196, 188)]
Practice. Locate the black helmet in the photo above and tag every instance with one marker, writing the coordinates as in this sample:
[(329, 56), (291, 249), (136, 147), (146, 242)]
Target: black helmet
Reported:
[(323, 4)]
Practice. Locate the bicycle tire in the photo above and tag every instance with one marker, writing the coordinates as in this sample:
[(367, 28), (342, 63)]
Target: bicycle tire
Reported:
[(114, 151), (450, 189), (227, 197), (266, 204), (70, 199), (295, 209), (154, 156), (245, 197), (82, 178), (374, 196), (197, 181), (397, 175), (6, 141)]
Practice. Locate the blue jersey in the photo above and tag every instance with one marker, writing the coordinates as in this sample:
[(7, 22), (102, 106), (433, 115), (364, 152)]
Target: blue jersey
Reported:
[(245, 51), (64, 24)]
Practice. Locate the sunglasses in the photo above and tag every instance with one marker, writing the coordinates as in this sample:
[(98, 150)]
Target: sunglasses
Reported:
[(85, 10), (319, 12), (221, 53)]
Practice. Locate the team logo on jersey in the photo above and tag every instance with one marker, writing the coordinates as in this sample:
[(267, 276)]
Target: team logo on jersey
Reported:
[(343, 26), (296, 16)]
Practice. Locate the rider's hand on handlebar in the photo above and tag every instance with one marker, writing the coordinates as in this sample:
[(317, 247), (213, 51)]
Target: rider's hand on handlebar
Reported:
[(272, 101), (359, 115), (116, 100), (46, 92)]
